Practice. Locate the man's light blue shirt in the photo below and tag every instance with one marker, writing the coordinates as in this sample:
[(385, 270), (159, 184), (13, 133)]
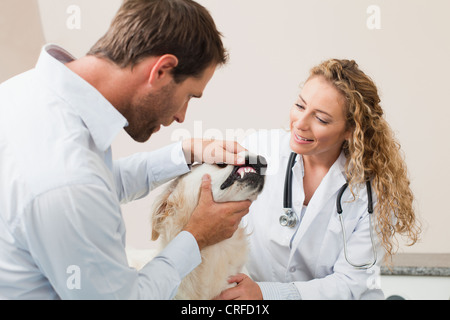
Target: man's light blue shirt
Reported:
[(62, 234)]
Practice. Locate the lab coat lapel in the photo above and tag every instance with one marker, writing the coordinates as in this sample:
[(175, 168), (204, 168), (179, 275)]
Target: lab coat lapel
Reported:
[(328, 188)]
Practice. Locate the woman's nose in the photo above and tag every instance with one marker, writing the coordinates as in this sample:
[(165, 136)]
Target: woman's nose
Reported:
[(301, 122)]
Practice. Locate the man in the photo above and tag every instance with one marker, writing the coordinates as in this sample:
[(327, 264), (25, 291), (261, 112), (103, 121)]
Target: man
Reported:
[(61, 229)]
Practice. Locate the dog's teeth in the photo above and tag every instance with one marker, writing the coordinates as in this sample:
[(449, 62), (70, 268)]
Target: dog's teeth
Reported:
[(244, 170)]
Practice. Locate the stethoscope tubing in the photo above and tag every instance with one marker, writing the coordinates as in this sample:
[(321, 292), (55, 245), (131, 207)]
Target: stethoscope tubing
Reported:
[(341, 220), (289, 218)]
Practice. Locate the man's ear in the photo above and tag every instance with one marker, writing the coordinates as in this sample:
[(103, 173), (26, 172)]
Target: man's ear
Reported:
[(161, 71)]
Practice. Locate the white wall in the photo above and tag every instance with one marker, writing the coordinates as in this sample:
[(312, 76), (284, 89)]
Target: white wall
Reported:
[(273, 44), (21, 37)]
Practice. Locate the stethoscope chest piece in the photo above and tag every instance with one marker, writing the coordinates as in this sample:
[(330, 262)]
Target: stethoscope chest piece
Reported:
[(288, 219)]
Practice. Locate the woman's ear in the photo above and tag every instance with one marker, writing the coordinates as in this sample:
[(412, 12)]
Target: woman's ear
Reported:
[(161, 72), (348, 135)]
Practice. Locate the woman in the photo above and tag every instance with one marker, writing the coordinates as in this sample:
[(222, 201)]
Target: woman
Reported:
[(339, 134)]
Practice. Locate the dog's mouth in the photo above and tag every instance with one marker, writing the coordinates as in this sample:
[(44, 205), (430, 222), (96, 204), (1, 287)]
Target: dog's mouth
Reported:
[(252, 171)]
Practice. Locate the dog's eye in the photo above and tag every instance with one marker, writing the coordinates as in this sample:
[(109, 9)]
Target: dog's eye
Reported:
[(221, 165)]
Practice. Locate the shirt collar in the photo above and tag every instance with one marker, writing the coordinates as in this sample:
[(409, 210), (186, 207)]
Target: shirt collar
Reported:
[(103, 121)]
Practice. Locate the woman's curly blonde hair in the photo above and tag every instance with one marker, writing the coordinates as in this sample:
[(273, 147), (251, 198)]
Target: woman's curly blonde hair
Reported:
[(373, 152)]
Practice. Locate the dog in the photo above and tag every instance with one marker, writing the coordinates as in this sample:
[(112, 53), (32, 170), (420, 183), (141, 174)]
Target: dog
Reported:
[(176, 204)]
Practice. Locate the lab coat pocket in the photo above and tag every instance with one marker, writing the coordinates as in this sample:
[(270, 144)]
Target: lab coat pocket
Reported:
[(332, 245), (335, 228)]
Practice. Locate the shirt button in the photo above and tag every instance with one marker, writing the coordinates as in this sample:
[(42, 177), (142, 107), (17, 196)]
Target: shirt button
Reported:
[(292, 269)]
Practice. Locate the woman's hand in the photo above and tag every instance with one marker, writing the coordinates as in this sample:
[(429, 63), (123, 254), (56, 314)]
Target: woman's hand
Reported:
[(246, 289), (213, 151)]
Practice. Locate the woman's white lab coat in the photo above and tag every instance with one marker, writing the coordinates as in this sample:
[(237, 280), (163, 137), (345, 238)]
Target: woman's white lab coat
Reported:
[(311, 255)]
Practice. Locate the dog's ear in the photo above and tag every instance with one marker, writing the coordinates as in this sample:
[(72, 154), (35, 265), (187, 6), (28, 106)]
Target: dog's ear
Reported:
[(157, 218), (161, 210)]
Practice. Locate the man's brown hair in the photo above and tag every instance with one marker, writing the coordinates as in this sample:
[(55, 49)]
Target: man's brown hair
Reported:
[(144, 28)]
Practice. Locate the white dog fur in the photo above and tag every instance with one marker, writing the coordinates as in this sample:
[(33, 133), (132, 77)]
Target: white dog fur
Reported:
[(173, 209)]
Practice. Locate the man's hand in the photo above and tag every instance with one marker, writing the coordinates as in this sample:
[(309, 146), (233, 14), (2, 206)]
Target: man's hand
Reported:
[(212, 222), (245, 289), (213, 151)]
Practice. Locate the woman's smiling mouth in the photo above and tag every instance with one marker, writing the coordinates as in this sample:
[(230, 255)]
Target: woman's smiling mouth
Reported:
[(302, 140)]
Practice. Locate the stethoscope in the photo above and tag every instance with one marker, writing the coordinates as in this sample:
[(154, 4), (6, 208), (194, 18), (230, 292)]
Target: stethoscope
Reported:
[(289, 217)]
